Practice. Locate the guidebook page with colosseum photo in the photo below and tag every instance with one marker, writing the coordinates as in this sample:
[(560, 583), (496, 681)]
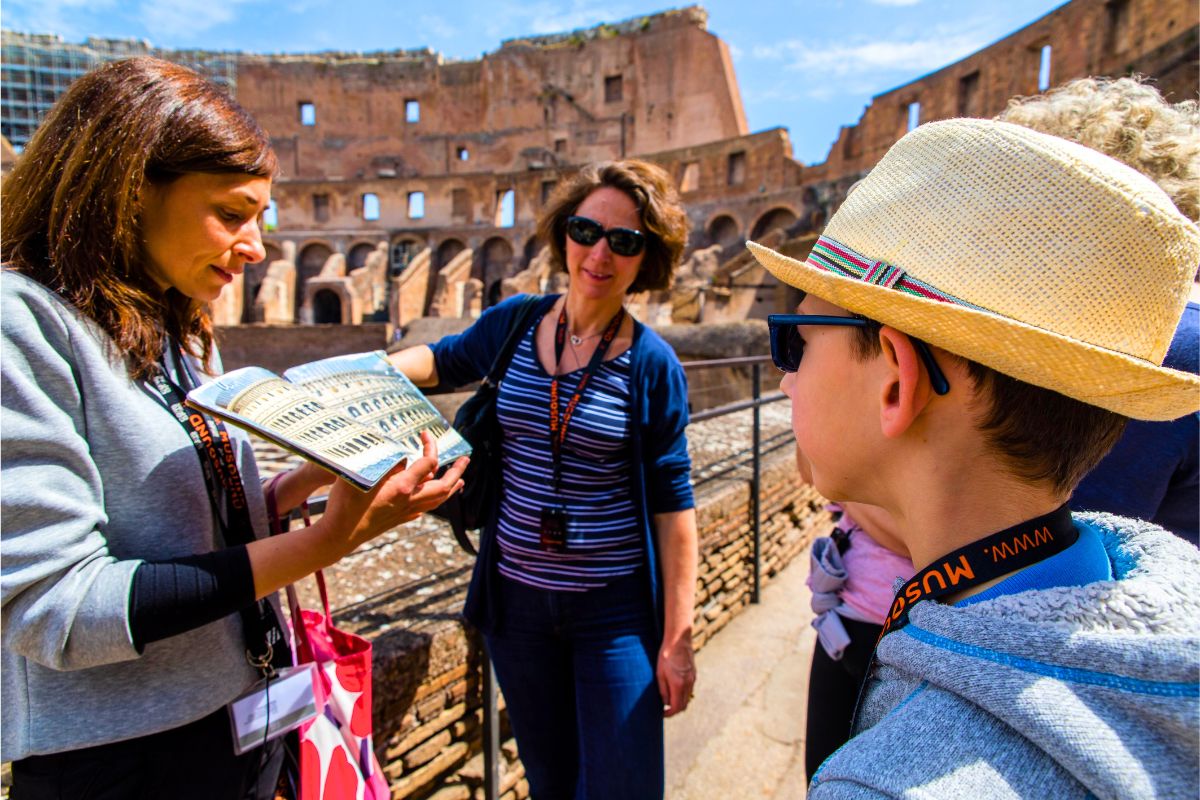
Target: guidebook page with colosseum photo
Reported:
[(355, 415)]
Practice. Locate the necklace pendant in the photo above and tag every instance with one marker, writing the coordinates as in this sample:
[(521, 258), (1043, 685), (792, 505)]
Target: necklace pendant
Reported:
[(576, 340)]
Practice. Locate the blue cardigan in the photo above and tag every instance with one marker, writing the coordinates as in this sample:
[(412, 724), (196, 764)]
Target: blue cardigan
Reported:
[(658, 410)]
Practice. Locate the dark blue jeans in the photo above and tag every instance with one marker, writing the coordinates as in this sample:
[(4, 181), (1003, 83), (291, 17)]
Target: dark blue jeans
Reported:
[(577, 673)]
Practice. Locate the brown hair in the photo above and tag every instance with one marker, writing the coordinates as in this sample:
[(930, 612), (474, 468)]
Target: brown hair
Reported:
[(663, 219), (1126, 119), (71, 206), (1040, 435)]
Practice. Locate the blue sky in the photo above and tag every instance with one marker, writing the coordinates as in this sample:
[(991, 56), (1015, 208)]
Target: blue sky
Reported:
[(807, 65)]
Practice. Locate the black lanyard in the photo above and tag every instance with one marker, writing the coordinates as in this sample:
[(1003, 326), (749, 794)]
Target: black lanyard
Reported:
[(558, 425), (987, 559), (227, 494), (1009, 550)]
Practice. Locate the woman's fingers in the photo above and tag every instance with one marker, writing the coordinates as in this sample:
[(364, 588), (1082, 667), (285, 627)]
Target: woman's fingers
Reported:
[(408, 491), (676, 674), (433, 493), (664, 688), (418, 470)]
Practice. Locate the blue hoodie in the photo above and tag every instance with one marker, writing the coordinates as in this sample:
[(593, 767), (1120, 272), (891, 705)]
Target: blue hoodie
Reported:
[(1071, 692)]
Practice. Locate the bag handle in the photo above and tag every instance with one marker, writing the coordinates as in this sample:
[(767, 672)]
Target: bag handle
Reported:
[(303, 645)]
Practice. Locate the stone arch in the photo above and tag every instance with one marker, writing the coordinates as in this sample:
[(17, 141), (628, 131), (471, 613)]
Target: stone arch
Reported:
[(533, 246), (774, 219), (327, 307), (357, 257), (724, 230), (252, 281), (308, 265), (447, 250), (495, 264)]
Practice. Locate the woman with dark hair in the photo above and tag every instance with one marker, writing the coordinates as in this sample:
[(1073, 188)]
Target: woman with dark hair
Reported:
[(584, 586), (137, 597)]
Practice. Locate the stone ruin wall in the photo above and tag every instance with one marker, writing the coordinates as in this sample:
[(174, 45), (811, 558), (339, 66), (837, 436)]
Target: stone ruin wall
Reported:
[(648, 84), (1157, 38), (735, 185)]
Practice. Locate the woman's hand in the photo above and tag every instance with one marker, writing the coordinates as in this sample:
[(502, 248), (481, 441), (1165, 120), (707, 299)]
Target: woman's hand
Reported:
[(676, 674), (675, 534), (353, 517)]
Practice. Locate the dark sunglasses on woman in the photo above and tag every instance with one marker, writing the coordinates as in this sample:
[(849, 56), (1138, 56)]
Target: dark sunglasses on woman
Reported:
[(787, 345), (622, 241)]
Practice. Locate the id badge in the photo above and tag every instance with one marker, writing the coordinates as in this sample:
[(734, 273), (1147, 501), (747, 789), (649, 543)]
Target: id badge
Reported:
[(273, 707), (554, 530)]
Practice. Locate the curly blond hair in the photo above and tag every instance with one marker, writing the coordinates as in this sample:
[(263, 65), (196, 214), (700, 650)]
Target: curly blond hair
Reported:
[(1126, 119)]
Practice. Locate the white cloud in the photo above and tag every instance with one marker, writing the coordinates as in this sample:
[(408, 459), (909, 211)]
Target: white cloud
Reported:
[(53, 16), (894, 2), (913, 56), (168, 21)]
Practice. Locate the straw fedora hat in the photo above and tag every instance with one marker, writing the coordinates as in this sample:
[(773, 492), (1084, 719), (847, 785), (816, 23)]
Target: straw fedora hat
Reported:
[(1037, 257)]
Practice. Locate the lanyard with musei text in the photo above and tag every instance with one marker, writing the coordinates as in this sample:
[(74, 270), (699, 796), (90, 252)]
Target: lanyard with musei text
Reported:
[(1011, 549), (987, 559)]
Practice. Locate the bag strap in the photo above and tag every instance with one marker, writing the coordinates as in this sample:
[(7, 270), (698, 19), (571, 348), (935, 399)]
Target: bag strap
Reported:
[(499, 367), (303, 645), (519, 324)]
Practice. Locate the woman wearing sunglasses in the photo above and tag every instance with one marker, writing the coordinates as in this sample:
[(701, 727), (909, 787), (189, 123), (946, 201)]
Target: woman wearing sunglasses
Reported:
[(584, 585)]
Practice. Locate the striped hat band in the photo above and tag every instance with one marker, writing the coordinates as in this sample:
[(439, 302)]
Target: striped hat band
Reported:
[(831, 255)]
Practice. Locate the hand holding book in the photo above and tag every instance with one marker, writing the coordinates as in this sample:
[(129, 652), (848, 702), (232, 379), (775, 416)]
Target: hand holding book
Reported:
[(352, 518), (355, 415)]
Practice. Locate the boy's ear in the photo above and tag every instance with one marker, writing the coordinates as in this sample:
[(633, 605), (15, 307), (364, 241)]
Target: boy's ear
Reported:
[(906, 389)]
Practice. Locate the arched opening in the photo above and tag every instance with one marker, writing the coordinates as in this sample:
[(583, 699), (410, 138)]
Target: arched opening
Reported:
[(533, 246), (724, 231), (495, 264), (252, 281), (357, 257), (447, 250), (327, 307), (774, 219), (312, 258)]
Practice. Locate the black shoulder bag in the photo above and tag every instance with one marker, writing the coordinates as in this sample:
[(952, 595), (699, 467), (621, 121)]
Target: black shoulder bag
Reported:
[(477, 423)]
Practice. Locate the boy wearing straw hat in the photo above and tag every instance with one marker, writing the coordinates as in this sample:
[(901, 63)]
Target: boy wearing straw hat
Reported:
[(981, 316)]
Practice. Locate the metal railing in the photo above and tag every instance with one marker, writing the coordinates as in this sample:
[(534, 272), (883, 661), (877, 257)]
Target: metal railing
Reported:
[(756, 402), (491, 716)]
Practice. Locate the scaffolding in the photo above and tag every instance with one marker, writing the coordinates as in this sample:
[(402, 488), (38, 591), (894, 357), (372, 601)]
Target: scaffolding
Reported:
[(36, 69)]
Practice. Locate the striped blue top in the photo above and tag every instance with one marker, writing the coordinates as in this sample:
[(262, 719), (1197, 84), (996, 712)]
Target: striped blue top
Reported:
[(604, 535)]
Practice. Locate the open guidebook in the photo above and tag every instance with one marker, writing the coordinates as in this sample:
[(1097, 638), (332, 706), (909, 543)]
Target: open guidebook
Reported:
[(355, 415)]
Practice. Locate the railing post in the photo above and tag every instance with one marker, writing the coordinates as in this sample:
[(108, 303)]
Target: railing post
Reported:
[(756, 480), (491, 731)]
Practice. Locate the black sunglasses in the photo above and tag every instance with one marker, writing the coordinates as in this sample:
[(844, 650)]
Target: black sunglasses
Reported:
[(622, 241), (787, 346)]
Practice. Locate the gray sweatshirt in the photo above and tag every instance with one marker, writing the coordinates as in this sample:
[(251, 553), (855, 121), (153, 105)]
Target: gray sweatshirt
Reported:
[(1071, 692), (96, 477)]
